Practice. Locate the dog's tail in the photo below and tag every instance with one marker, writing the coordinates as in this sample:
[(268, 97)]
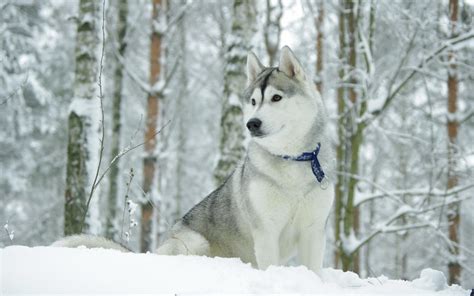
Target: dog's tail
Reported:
[(88, 241)]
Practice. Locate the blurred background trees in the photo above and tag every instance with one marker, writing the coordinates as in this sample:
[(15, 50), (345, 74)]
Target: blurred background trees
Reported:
[(396, 76)]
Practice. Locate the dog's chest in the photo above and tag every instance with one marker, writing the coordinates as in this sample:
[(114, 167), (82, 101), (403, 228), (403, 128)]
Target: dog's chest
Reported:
[(281, 201), (295, 177)]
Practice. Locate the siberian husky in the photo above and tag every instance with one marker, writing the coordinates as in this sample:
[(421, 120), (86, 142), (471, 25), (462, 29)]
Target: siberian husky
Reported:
[(276, 202)]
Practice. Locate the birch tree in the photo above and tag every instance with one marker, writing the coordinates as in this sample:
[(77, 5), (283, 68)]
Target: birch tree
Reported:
[(151, 121), (121, 27), (237, 44), (82, 124)]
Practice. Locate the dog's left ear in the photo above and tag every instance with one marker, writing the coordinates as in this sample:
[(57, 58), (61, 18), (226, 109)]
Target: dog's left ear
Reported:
[(254, 67), (290, 65)]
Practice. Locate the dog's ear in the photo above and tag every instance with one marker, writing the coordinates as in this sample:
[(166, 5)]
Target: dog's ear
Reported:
[(290, 65), (254, 67)]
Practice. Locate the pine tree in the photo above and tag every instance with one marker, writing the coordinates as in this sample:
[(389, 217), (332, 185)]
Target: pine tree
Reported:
[(149, 161), (454, 218)]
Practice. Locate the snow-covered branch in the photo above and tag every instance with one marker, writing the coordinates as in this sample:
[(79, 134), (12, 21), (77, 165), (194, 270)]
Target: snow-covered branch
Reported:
[(385, 226), (413, 192), (158, 89), (392, 94)]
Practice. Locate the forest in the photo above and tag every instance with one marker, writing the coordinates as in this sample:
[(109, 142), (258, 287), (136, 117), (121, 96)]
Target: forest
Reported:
[(118, 116)]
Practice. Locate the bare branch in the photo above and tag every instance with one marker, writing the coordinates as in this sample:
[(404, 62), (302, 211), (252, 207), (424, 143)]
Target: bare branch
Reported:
[(466, 117)]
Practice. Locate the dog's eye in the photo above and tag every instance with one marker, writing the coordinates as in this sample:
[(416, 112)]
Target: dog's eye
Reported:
[(253, 102), (276, 98)]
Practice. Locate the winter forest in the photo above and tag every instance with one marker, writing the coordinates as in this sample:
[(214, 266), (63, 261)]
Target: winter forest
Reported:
[(118, 116)]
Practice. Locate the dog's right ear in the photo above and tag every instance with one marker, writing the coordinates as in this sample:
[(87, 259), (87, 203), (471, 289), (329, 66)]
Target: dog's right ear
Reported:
[(254, 67)]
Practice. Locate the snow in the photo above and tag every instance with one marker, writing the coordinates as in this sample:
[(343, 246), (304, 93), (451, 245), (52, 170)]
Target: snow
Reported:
[(431, 279), (350, 243), (61, 270)]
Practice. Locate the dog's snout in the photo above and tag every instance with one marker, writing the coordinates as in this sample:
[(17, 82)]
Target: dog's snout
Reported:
[(254, 124)]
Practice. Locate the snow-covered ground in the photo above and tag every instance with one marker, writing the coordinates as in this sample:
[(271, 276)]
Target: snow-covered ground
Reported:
[(48, 270)]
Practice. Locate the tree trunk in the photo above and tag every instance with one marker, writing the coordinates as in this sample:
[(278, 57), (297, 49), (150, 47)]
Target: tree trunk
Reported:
[(182, 94), (232, 134), (272, 30), (111, 230), (454, 218), (340, 151), (351, 219), (82, 129), (319, 22), (361, 125), (149, 161)]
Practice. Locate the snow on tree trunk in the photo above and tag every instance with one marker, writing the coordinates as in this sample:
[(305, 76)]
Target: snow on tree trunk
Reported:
[(111, 229), (83, 119), (238, 44), (454, 218), (149, 161)]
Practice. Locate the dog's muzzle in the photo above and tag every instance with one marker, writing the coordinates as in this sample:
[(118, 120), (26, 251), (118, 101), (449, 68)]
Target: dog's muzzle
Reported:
[(253, 126)]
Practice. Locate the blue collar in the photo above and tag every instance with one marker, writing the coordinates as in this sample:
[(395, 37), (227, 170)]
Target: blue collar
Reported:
[(313, 157)]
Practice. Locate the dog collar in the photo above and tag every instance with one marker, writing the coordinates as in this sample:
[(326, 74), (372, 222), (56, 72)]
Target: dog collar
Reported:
[(313, 157)]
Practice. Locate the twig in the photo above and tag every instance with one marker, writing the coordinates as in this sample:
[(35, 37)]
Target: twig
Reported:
[(128, 149), (13, 93)]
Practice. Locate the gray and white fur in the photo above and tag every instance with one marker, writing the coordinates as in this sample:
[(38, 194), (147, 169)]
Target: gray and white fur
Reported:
[(269, 208)]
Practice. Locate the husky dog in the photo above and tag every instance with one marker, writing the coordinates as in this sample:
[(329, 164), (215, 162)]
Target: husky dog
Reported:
[(277, 201)]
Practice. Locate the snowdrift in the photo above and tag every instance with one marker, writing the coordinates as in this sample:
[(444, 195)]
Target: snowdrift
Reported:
[(59, 270)]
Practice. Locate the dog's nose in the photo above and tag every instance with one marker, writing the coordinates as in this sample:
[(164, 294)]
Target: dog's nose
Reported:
[(254, 124)]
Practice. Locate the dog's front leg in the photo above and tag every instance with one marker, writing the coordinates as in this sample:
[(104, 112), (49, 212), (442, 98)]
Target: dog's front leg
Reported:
[(267, 251), (311, 248)]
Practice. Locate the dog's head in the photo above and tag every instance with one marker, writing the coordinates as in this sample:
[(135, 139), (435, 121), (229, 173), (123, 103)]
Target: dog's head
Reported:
[(281, 105)]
